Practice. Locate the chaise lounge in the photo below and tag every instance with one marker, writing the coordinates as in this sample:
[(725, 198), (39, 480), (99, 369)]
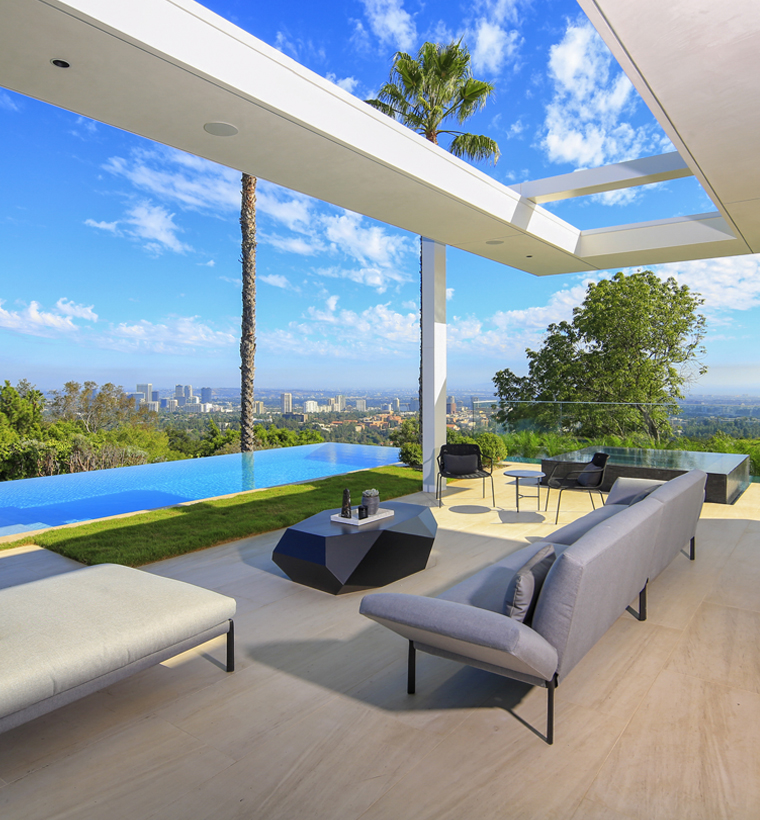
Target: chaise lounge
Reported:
[(66, 636)]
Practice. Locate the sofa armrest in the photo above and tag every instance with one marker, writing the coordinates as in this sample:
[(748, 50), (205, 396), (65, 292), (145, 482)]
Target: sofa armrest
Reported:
[(464, 630)]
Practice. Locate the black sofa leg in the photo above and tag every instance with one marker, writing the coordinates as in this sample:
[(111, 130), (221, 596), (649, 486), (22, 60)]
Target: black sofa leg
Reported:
[(551, 686), (231, 648), (643, 602), (693, 549), (411, 673)]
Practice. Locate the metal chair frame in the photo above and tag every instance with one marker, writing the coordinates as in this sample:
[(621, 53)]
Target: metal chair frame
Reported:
[(569, 481)]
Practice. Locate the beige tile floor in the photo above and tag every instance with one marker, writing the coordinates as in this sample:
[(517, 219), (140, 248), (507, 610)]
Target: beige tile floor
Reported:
[(660, 719)]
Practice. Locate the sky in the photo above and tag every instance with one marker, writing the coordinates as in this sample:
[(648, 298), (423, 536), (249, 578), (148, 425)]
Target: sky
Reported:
[(119, 257)]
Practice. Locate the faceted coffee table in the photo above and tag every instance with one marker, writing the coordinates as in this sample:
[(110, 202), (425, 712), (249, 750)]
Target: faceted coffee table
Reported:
[(340, 558)]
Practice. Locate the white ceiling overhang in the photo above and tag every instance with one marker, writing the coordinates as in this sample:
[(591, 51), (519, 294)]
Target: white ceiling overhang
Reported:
[(165, 68)]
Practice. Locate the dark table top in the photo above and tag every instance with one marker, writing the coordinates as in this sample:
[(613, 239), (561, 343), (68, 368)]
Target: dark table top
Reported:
[(320, 524)]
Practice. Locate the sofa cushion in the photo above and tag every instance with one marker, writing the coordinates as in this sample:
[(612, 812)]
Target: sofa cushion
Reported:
[(460, 465), (485, 589), (571, 532), (522, 592)]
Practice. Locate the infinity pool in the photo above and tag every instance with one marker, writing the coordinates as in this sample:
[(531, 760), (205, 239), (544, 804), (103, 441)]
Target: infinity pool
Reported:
[(36, 503)]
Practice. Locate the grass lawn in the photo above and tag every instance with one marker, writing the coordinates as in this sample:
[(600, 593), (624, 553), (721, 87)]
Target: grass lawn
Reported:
[(140, 539)]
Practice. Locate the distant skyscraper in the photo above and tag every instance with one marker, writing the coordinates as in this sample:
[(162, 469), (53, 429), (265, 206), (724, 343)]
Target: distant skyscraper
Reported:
[(286, 400), (361, 404), (188, 391), (451, 405), (310, 407), (179, 392), (396, 404), (340, 403), (206, 395), (258, 408), (146, 390)]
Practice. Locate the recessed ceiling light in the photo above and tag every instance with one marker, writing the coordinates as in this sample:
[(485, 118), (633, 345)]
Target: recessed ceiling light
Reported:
[(58, 63), (494, 241), (529, 256), (220, 129)]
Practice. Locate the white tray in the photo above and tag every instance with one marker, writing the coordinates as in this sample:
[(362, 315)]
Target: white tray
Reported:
[(356, 522)]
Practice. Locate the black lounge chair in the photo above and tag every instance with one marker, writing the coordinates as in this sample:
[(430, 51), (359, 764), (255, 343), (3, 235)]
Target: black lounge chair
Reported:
[(462, 461), (588, 478)]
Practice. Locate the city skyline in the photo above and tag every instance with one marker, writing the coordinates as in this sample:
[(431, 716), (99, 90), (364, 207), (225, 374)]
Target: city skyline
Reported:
[(139, 272)]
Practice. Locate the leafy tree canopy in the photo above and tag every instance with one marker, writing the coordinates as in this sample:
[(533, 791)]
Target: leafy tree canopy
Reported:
[(21, 408), (631, 347), (96, 408)]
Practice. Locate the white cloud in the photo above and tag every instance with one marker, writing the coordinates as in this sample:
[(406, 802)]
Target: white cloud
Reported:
[(449, 294), (374, 277), (277, 280), (347, 83), (509, 333), (494, 46), (70, 308), (410, 305), (366, 244), (585, 121), (730, 283), (33, 320), (156, 224), (111, 227), (84, 128), (7, 102), (238, 282), (294, 244), (391, 24), (359, 38), (172, 335), (209, 264), (193, 182)]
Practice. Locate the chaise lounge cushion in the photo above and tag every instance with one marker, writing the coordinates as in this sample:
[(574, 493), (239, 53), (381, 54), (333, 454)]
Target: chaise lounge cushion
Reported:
[(59, 633)]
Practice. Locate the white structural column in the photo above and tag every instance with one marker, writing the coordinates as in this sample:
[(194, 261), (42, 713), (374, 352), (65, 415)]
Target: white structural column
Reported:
[(433, 358)]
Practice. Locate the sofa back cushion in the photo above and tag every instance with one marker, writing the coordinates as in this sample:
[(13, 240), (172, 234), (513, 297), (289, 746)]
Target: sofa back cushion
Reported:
[(594, 580), (682, 500)]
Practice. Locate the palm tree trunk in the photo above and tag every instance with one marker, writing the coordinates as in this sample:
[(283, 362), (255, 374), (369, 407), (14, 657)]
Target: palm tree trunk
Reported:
[(248, 324)]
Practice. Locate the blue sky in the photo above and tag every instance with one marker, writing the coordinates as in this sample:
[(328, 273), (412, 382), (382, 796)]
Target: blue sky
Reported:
[(119, 257)]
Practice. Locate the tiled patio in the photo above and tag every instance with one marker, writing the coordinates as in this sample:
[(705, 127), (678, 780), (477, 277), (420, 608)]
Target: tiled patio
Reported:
[(658, 721)]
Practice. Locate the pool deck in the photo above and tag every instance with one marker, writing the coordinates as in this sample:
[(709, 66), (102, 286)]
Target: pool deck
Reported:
[(659, 720)]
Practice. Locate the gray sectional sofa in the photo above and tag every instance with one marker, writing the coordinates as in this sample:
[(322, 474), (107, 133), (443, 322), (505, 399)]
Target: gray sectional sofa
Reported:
[(66, 636), (594, 568)]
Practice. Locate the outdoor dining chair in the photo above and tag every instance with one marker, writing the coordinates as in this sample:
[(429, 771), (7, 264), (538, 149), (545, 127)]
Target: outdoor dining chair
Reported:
[(588, 478), (463, 461)]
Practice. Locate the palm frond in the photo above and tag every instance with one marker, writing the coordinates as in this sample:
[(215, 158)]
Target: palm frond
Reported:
[(476, 147)]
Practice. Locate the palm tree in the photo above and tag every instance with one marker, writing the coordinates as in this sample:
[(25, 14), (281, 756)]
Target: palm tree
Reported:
[(248, 324), (426, 92)]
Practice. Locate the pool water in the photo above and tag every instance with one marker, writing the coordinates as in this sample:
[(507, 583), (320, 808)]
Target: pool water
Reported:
[(36, 503)]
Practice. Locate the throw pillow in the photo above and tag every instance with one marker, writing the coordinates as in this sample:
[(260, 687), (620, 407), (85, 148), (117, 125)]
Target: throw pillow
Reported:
[(589, 476), (525, 586), (460, 465)]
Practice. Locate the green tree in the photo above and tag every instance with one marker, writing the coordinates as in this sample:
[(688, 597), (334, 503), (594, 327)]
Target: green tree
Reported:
[(631, 347), (407, 438), (426, 93), (96, 407), (21, 408)]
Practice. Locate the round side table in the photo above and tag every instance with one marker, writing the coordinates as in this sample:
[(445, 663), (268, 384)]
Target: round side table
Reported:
[(536, 475)]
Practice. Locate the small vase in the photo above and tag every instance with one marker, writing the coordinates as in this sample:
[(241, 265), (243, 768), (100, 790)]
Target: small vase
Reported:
[(372, 503)]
